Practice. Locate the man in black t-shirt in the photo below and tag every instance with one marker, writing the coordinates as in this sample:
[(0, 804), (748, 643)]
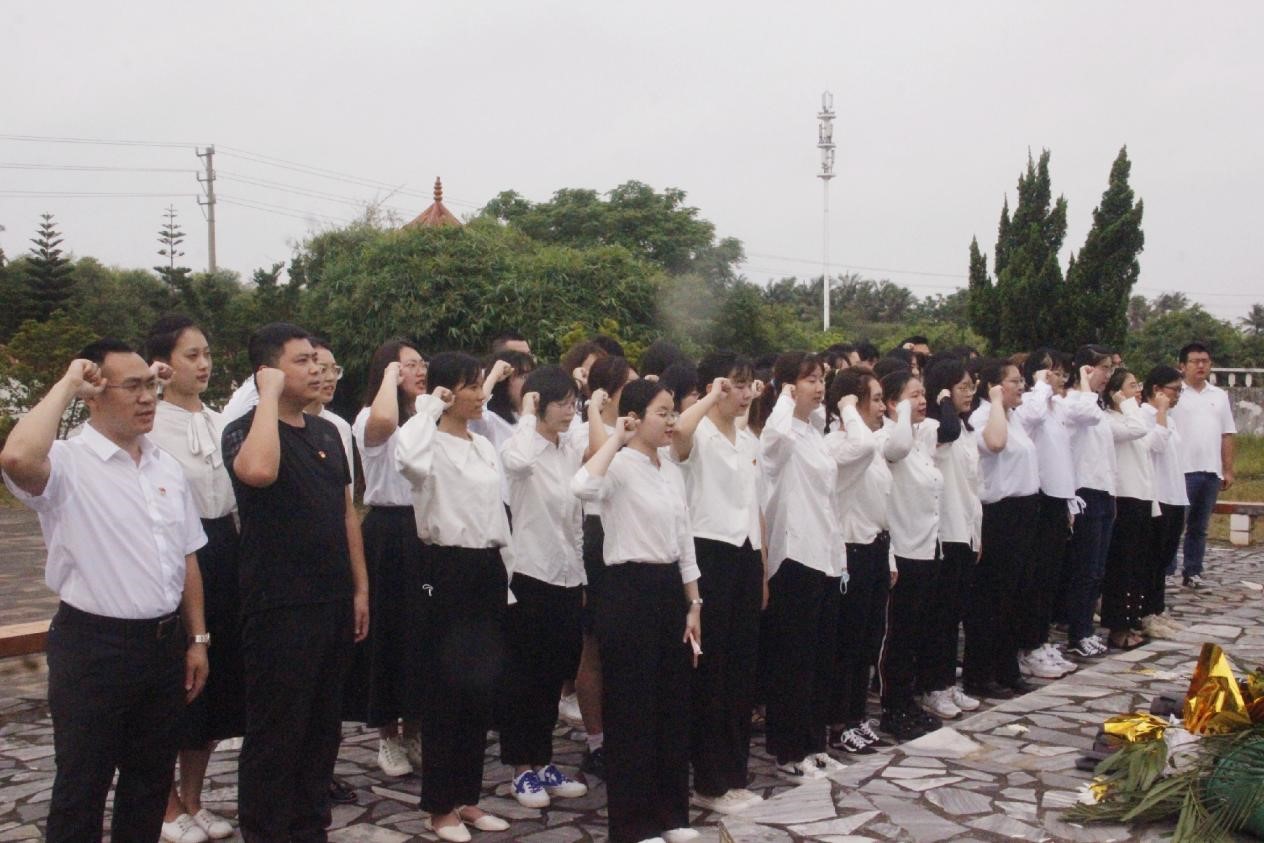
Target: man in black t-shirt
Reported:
[(304, 590)]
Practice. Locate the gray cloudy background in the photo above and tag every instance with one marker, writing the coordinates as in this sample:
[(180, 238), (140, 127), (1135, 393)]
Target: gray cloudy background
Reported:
[(938, 105)]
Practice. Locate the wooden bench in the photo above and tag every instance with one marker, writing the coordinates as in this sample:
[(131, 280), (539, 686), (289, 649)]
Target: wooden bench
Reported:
[(23, 639), (1242, 515)]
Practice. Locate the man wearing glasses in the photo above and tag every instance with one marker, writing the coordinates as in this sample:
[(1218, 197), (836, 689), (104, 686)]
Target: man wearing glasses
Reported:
[(127, 647)]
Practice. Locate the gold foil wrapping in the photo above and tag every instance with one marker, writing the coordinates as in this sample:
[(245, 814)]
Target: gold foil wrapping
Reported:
[(1135, 728), (1214, 704)]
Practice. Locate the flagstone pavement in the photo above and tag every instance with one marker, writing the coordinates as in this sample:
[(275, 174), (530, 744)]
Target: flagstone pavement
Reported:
[(1006, 772)]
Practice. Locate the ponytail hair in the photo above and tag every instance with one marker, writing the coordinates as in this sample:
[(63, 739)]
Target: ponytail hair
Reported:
[(854, 380), (790, 367), (1086, 355)]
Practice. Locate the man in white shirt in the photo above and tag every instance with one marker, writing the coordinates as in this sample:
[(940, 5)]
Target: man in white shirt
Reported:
[(1205, 419), (122, 528)]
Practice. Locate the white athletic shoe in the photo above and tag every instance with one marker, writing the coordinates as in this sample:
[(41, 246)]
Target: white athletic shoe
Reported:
[(962, 700), (940, 704), (729, 803), (183, 829), (392, 758), (215, 826), (568, 711)]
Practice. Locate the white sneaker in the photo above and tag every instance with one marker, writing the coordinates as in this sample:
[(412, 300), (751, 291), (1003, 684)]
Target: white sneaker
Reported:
[(412, 751), (568, 710), (729, 803), (824, 763), (1055, 657), (1037, 664), (680, 835), (183, 829), (940, 704), (962, 700), (392, 758), (215, 826)]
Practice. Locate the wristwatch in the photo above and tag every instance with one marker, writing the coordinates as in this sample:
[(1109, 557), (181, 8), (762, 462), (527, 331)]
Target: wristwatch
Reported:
[(201, 638), (697, 601)]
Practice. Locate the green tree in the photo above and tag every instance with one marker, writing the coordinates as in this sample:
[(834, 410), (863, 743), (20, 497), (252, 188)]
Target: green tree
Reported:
[(1253, 322), (1103, 274), (981, 305), (1161, 338), (121, 303), (170, 236), (48, 271), (35, 358)]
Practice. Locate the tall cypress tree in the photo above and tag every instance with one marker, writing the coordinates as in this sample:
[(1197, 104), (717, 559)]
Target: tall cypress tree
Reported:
[(1022, 309), (48, 276), (1101, 277), (170, 236)]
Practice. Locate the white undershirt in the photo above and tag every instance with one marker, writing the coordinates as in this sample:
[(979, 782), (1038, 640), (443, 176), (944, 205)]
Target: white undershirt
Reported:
[(383, 484)]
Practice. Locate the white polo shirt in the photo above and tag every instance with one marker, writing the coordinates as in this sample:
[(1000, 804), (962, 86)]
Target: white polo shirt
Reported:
[(1203, 417), (117, 531)]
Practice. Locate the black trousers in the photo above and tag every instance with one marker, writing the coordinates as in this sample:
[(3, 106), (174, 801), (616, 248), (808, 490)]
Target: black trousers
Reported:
[(862, 613), (462, 653), (1000, 592), (542, 643), (947, 608), (116, 695), (296, 659), (645, 699), (1128, 564), (1053, 536), (906, 662), (1165, 540), (219, 711), (801, 634), (724, 683)]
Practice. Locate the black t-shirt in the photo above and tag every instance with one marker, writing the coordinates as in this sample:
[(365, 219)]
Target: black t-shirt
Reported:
[(293, 533)]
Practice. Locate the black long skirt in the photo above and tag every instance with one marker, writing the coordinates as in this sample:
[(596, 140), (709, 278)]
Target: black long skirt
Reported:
[(378, 688), (219, 712)]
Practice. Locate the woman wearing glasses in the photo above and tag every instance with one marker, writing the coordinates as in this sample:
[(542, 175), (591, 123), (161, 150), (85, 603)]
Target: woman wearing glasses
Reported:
[(190, 431), (650, 626), (1173, 498), (381, 677)]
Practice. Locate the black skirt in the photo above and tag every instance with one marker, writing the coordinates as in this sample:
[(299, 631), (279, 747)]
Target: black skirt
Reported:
[(219, 711), (377, 690)]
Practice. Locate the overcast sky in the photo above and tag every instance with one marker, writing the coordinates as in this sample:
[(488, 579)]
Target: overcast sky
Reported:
[(938, 105)]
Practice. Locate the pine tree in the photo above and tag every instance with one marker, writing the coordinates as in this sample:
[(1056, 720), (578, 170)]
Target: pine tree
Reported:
[(982, 306), (1100, 283), (48, 276), (170, 236)]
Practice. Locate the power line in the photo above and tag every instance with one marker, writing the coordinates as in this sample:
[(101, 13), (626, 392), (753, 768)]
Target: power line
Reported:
[(302, 191), (96, 141), (74, 194), (10, 165), (282, 210)]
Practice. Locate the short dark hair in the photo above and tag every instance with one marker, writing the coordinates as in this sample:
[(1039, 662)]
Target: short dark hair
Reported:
[(610, 373), (578, 353), (789, 367), (1190, 347), (893, 384), (501, 340), (1086, 355), (839, 352), (165, 334), (320, 342), (1113, 385), (868, 352), (680, 378), (97, 351), (638, 395), (916, 339), (453, 370), (551, 383), (608, 344), (991, 373), (1041, 358), (944, 373), (268, 342), (1159, 376), (887, 365), (724, 364), (658, 356)]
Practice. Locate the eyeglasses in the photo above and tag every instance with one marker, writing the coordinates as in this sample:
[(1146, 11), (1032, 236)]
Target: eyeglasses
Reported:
[(414, 365), (334, 371), (135, 386), (670, 416)]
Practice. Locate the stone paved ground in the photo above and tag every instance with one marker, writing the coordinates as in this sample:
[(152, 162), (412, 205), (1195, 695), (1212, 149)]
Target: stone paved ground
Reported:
[(1003, 773)]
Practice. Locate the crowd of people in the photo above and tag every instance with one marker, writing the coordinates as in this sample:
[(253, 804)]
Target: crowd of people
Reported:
[(681, 551)]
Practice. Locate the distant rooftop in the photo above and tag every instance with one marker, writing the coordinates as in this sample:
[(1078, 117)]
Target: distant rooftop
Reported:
[(437, 213)]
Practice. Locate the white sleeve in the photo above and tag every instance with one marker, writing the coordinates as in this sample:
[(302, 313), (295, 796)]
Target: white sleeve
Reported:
[(414, 442)]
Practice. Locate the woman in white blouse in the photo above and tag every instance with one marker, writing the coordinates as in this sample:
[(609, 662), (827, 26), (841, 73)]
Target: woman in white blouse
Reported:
[(806, 559), (906, 662), (650, 626), (1169, 483), (190, 431), (383, 682), (1001, 594), (455, 477), (543, 625), (1128, 562), (861, 496), (960, 523)]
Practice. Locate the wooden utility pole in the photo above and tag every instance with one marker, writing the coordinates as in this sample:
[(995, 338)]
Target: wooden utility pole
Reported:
[(209, 202)]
